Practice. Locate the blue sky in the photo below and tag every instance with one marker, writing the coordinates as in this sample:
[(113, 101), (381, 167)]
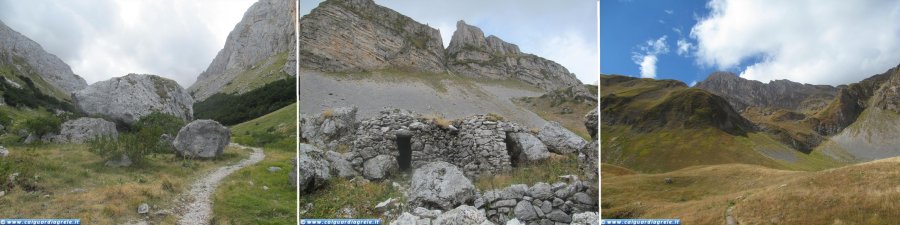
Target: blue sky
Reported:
[(809, 41), (625, 26), (562, 31)]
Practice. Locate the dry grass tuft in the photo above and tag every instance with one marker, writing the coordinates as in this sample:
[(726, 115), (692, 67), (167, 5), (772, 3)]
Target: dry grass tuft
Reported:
[(328, 113)]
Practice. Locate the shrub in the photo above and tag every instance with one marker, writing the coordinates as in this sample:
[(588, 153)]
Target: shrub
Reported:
[(165, 123), (328, 113), (142, 141), (43, 125), (494, 117)]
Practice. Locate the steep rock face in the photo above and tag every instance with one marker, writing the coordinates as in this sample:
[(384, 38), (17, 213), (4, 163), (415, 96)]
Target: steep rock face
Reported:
[(849, 103), (742, 93), (359, 35), (471, 54), (260, 47), (50, 68), (128, 98)]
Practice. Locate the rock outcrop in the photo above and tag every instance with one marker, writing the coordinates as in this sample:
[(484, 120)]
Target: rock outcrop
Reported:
[(380, 167), (471, 54), (263, 39), (742, 93), (49, 67), (126, 99), (526, 147), (359, 35), (440, 185), (202, 139), (84, 129)]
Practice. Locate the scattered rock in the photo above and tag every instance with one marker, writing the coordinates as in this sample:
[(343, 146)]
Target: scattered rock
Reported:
[(274, 169), (441, 185), (265, 188), (583, 198), (84, 129), (128, 98), (202, 139), (380, 167), (559, 139), (669, 180), (514, 221), (2, 193), (143, 208), (313, 168), (331, 128), (3, 152), (383, 206)]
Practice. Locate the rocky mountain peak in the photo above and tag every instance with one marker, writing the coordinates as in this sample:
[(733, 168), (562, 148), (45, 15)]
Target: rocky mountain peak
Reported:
[(472, 54), (742, 93), (264, 36), (359, 35), (49, 67)]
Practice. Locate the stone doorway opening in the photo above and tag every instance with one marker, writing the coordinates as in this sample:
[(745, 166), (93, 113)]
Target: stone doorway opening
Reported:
[(512, 150), (404, 160)]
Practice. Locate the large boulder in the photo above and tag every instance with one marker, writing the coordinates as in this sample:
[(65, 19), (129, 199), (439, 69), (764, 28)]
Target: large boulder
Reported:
[(559, 139), (380, 167), (331, 128), (84, 129), (313, 168), (126, 99), (202, 139), (526, 147), (440, 185)]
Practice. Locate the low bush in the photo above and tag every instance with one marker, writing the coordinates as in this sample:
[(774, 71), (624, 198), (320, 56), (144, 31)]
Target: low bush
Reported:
[(43, 124), (143, 140)]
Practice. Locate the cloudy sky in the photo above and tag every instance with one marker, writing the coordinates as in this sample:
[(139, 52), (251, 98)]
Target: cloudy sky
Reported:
[(101, 39), (810, 41), (562, 31)]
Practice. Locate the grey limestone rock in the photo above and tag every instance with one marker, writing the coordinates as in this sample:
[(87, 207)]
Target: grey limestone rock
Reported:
[(265, 33), (202, 139), (380, 167), (471, 54), (527, 147), (559, 139), (440, 185), (84, 129), (312, 168), (462, 215), (128, 98), (391, 41)]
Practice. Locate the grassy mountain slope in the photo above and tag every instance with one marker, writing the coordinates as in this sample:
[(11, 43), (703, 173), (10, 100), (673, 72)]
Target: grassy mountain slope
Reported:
[(662, 125), (253, 195), (562, 108), (232, 109), (856, 194)]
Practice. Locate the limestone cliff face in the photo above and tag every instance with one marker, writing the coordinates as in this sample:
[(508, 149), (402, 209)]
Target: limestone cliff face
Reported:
[(126, 99), (50, 68), (258, 50), (471, 54), (359, 35), (743, 93)]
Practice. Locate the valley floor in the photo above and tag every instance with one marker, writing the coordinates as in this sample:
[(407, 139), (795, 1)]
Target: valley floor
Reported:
[(866, 193)]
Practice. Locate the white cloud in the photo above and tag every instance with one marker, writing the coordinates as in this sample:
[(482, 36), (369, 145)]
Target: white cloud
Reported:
[(661, 21), (819, 42), (578, 55), (646, 56), (677, 30), (648, 66), (669, 11), (684, 47), (106, 38)]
